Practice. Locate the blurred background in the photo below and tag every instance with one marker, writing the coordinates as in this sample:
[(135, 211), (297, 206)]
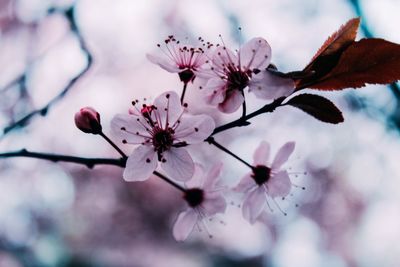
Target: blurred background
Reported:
[(68, 215)]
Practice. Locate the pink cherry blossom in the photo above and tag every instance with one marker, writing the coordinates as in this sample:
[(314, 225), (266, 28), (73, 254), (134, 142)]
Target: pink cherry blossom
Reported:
[(162, 130), (265, 180), (204, 200), (230, 73), (185, 60)]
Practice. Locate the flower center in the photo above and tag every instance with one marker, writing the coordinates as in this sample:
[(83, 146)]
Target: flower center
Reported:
[(162, 139), (261, 174), (237, 79), (186, 76), (194, 197)]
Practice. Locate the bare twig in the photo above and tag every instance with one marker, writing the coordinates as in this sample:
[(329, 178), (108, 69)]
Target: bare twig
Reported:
[(43, 110)]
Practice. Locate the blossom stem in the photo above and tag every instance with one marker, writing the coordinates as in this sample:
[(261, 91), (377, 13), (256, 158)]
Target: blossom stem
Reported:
[(169, 181), (212, 141), (183, 92), (243, 107), (113, 145), (242, 121)]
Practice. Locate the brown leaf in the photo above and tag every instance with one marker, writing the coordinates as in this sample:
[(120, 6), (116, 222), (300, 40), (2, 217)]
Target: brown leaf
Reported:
[(317, 106), (329, 54), (373, 61)]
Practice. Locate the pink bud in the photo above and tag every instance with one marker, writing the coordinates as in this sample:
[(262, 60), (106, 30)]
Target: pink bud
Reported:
[(88, 120)]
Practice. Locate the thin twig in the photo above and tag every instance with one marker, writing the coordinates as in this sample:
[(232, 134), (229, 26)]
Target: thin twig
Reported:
[(43, 111), (243, 121), (212, 141), (88, 162)]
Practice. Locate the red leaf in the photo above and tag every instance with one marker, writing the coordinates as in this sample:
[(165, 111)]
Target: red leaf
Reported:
[(317, 106), (374, 61), (328, 55), (338, 41)]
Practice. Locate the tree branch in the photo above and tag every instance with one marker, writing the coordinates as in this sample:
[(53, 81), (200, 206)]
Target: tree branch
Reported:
[(243, 121), (43, 111), (88, 162)]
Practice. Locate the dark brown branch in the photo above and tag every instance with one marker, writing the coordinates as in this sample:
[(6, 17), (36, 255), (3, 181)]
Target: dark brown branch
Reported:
[(243, 121), (88, 162)]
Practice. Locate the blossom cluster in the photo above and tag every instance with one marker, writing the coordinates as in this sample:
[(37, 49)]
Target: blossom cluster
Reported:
[(161, 130)]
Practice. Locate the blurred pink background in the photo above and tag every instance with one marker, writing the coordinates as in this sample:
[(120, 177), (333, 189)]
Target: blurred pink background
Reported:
[(67, 215)]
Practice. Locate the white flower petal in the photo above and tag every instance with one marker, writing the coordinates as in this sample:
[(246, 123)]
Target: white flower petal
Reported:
[(279, 185), (197, 180), (141, 164), (178, 164), (169, 108), (233, 100), (214, 205), (283, 155), (194, 129), (254, 204), (246, 183), (167, 65), (261, 155), (212, 176), (255, 54), (184, 224), (214, 91), (266, 85), (126, 127), (222, 58)]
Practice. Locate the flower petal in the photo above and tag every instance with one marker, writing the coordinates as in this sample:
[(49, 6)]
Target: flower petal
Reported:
[(169, 108), (141, 164), (283, 155), (197, 180), (194, 129), (254, 204), (279, 185), (214, 205), (212, 176), (246, 183), (261, 155), (266, 85), (232, 102), (215, 91), (222, 58), (178, 164), (255, 54), (184, 224), (126, 127), (167, 65)]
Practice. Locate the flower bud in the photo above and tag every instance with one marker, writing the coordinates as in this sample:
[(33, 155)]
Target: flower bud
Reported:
[(88, 120)]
